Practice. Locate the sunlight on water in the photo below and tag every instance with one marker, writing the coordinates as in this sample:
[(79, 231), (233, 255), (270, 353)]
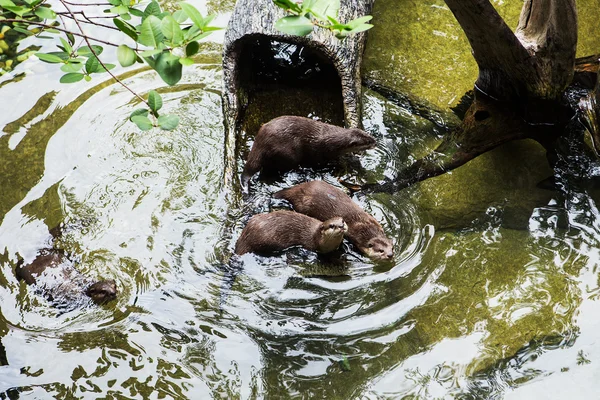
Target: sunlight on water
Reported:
[(493, 291)]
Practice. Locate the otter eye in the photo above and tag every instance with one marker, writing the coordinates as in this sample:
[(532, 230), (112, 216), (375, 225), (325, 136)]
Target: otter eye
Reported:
[(331, 226), (370, 245), (380, 250)]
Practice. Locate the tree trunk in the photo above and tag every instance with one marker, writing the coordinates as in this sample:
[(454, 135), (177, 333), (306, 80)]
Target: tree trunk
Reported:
[(519, 90)]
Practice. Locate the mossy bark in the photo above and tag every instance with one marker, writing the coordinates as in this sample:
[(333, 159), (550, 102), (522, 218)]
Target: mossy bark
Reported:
[(519, 90)]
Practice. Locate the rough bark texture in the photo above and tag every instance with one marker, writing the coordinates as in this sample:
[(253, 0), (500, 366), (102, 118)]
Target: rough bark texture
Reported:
[(536, 61), (252, 18), (521, 83)]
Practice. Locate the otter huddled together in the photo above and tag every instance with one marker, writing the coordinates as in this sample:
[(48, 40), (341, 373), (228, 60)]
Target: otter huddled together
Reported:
[(323, 213)]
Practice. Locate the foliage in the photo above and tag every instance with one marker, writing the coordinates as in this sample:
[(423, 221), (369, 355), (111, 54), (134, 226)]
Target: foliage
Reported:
[(166, 41), (321, 13)]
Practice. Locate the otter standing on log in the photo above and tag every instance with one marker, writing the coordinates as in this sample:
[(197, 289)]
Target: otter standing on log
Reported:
[(322, 201), (287, 142), (278, 230)]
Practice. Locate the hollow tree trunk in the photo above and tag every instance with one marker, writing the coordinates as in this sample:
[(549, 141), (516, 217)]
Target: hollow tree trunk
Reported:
[(253, 19), (521, 82)]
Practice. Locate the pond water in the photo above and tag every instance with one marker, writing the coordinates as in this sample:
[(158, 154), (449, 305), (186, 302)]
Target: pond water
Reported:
[(493, 291)]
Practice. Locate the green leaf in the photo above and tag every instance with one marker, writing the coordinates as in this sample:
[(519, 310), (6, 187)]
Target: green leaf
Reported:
[(294, 25), (121, 10), (168, 67), (17, 10), (355, 23), (25, 31), (193, 13), (136, 13), (186, 61), (86, 52), (151, 34), (71, 78), (7, 3), (126, 28), (66, 46), (152, 9), (71, 38), (201, 36), (70, 67), (192, 48), (150, 53), (126, 17), (139, 111), (288, 5), (92, 64), (142, 122), (115, 2), (154, 101), (325, 8), (180, 16), (49, 58), (108, 67), (125, 55), (168, 122), (170, 28), (45, 13), (87, 78)]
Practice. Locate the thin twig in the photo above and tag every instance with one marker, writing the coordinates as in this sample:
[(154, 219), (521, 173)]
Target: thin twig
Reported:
[(88, 21), (86, 4), (59, 29), (97, 58)]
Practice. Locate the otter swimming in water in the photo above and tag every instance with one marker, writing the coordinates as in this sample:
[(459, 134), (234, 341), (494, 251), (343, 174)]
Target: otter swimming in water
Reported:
[(278, 230), (56, 278), (321, 200), (286, 142)]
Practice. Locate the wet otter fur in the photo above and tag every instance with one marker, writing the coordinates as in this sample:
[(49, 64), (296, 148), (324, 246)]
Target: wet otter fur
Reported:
[(286, 142), (55, 277), (321, 200), (270, 232)]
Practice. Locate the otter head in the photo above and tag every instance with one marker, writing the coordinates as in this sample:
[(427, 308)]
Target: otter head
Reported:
[(331, 234), (102, 291), (379, 248), (360, 140)]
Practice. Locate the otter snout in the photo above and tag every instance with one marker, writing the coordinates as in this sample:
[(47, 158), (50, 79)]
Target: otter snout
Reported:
[(102, 291)]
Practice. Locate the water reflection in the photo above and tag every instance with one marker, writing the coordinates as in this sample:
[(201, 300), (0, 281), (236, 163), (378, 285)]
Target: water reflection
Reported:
[(477, 304)]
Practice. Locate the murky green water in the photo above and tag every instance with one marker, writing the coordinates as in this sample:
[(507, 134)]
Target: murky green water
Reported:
[(493, 292)]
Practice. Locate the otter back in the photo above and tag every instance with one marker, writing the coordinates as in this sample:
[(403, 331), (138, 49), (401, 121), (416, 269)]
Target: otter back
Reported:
[(287, 142), (321, 200), (278, 230)]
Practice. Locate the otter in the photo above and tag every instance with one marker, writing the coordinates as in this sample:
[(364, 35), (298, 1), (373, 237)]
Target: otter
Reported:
[(54, 275), (320, 200), (270, 232), (286, 142)]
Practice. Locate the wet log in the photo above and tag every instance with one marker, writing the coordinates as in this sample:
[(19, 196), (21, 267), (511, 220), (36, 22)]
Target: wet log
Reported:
[(253, 19), (520, 87)]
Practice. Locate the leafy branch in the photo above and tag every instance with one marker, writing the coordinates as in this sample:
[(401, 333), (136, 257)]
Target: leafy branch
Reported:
[(165, 41), (321, 13)]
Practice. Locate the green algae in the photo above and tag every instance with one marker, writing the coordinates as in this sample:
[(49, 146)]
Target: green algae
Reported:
[(418, 48), (510, 290), (505, 179)]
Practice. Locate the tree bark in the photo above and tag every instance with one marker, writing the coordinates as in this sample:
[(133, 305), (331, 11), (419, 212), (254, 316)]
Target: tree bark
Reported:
[(519, 90)]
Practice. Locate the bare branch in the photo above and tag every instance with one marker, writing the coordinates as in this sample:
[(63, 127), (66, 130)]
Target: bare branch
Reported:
[(87, 40), (59, 29), (87, 19)]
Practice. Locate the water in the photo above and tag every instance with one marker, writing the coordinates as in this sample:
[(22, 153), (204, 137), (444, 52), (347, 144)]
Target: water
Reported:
[(493, 292)]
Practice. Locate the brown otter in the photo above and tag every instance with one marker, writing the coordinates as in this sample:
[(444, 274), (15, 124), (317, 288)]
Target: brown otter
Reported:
[(54, 275), (322, 201), (289, 141), (278, 230)]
